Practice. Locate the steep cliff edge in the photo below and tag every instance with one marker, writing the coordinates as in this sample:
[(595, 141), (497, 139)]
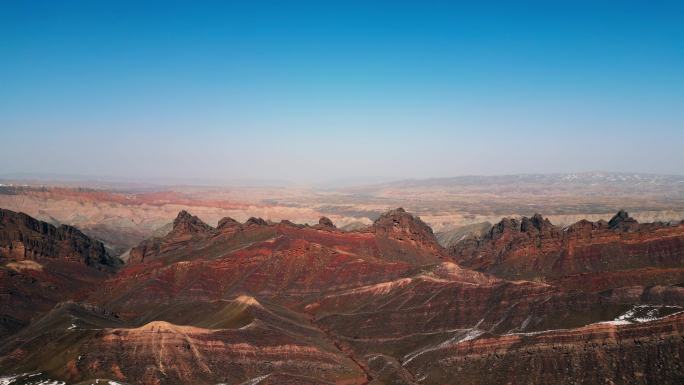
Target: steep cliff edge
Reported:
[(42, 265)]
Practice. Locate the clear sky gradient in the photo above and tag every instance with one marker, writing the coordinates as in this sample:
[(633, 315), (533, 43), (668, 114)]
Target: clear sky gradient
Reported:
[(315, 91)]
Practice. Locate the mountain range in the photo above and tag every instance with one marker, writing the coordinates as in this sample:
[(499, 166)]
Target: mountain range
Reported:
[(264, 302), (123, 215)]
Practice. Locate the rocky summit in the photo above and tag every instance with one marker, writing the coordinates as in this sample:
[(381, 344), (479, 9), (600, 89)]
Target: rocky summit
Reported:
[(259, 302)]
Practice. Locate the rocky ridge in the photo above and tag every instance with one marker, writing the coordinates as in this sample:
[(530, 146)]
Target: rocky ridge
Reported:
[(534, 248)]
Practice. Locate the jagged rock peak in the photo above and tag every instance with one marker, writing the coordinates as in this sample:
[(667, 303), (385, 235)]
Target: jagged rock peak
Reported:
[(537, 221), (621, 219), (227, 222), (185, 222), (286, 222), (399, 224), (505, 224), (256, 222), (326, 222)]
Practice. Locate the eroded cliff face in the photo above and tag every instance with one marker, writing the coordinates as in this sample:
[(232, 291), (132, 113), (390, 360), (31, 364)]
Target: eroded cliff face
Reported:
[(260, 302), (25, 238), (41, 265)]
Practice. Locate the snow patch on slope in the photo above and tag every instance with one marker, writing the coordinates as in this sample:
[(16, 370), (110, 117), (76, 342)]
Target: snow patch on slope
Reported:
[(382, 288), (255, 380), (28, 379), (646, 313), (462, 336)]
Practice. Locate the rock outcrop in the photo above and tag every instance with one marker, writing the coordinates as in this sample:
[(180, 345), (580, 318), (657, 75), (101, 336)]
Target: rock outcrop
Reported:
[(227, 223), (623, 221), (400, 225), (190, 224), (406, 237), (186, 229), (252, 221), (326, 223)]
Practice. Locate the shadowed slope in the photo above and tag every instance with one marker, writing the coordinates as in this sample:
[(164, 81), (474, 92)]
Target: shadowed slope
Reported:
[(238, 340), (41, 265)]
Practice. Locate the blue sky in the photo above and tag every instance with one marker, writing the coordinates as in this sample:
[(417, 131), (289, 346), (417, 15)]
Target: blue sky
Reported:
[(315, 91)]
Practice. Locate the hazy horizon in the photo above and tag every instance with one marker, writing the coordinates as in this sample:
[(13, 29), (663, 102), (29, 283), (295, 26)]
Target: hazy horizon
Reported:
[(48, 179), (307, 92)]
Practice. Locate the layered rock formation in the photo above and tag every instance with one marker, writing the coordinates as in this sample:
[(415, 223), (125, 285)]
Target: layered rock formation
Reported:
[(261, 302), (533, 248), (41, 265), (25, 238), (228, 341), (602, 353)]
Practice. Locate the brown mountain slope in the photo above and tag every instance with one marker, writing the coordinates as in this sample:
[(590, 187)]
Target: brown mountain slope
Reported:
[(202, 343)]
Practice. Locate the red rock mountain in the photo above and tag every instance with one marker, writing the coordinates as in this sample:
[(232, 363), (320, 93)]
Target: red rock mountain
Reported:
[(622, 249), (25, 238), (42, 265), (279, 303), (399, 224)]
